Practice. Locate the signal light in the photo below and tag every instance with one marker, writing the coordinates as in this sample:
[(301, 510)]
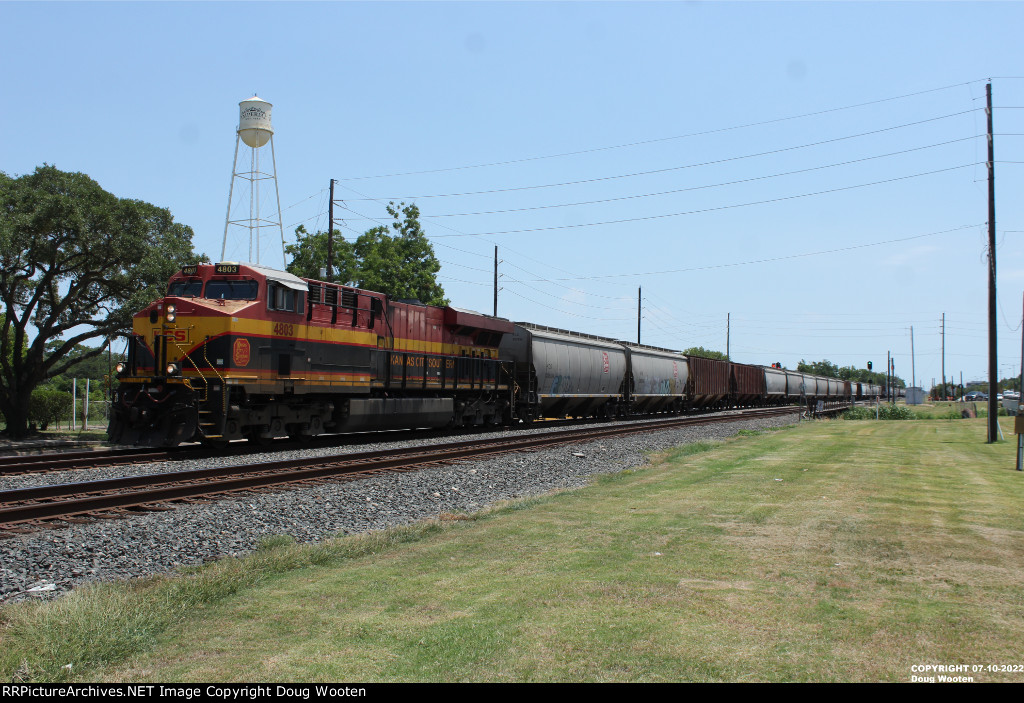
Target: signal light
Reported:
[(869, 366)]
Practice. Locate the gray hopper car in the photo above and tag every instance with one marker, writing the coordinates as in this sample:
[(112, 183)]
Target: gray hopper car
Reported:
[(560, 373)]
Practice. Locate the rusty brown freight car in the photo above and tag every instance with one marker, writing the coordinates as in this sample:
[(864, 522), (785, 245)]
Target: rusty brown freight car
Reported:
[(747, 384), (708, 381)]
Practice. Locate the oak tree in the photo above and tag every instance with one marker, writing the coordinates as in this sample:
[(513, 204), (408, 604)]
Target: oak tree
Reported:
[(75, 263), (396, 259)]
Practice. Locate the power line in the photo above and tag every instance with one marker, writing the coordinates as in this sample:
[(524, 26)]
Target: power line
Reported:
[(776, 258), (663, 139), (678, 168), (702, 187), (711, 209)]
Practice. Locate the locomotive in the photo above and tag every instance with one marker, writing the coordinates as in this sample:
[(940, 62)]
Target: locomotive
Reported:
[(241, 351)]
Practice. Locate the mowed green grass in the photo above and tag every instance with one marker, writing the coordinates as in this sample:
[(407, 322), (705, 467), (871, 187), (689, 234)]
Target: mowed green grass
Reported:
[(838, 550)]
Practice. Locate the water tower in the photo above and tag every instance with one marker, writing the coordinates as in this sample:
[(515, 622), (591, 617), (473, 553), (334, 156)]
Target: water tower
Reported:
[(255, 131)]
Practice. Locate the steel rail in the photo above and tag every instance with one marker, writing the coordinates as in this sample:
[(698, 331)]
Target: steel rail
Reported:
[(64, 461), (26, 505)]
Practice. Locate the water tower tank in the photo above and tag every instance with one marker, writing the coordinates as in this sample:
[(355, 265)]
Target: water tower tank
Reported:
[(254, 122)]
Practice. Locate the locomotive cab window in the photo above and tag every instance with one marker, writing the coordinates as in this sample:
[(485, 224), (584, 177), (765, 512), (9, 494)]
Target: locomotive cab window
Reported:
[(281, 298), (232, 290), (190, 288)]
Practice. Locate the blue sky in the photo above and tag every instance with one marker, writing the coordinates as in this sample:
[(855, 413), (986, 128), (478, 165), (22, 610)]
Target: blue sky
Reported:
[(706, 152)]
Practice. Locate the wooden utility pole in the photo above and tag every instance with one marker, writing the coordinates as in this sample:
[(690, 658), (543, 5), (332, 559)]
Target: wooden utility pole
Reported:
[(639, 298), (728, 331), (1020, 400), (330, 235), (993, 371), (943, 356), (888, 375), (913, 366), (495, 280)]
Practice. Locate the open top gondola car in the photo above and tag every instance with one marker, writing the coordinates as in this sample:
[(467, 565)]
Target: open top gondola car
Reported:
[(239, 350)]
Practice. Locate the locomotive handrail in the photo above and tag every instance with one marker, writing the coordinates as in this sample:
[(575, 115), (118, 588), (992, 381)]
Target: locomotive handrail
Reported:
[(185, 354)]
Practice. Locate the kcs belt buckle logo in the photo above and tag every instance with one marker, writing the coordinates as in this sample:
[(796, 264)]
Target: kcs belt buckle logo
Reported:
[(240, 352)]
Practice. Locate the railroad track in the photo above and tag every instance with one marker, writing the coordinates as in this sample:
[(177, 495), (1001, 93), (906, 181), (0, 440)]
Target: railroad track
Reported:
[(52, 462), (29, 509), (86, 459)]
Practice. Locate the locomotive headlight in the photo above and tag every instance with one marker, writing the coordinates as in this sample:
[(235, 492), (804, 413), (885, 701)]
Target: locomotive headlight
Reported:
[(170, 315), (171, 308), (120, 367), (172, 369)]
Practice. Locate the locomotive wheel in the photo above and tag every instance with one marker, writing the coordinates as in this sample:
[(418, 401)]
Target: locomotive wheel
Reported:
[(296, 435), (253, 436)]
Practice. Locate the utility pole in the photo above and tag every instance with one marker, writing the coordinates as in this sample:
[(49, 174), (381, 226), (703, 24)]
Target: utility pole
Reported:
[(913, 367), (888, 377), (1020, 399), (728, 329), (495, 280), (892, 375), (993, 371), (639, 297), (944, 356), (330, 235)]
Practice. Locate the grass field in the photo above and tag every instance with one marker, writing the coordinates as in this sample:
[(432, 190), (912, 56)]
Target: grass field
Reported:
[(832, 551)]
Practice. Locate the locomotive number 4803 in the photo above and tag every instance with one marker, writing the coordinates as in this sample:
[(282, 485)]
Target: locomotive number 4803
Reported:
[(284, 329)]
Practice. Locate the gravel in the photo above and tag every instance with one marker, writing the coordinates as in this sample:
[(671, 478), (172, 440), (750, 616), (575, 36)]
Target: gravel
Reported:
[(50, 562)]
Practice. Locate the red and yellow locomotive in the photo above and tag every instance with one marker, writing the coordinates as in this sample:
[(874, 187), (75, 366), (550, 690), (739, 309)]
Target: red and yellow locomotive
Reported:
[(243, 351)]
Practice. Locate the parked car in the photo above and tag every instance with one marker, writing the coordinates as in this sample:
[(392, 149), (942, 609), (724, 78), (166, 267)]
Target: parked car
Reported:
[(975, 396)]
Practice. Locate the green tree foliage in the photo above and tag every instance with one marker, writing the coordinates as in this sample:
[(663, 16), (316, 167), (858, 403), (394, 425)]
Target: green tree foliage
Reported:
[(75, 263), (846, 373), (309, 254), (1009, 384), (706, 353), (396, 259), (95, 367), (47, 404), (819, 368)]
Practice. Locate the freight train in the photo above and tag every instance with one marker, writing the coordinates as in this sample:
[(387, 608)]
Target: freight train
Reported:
[(241, 351)]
